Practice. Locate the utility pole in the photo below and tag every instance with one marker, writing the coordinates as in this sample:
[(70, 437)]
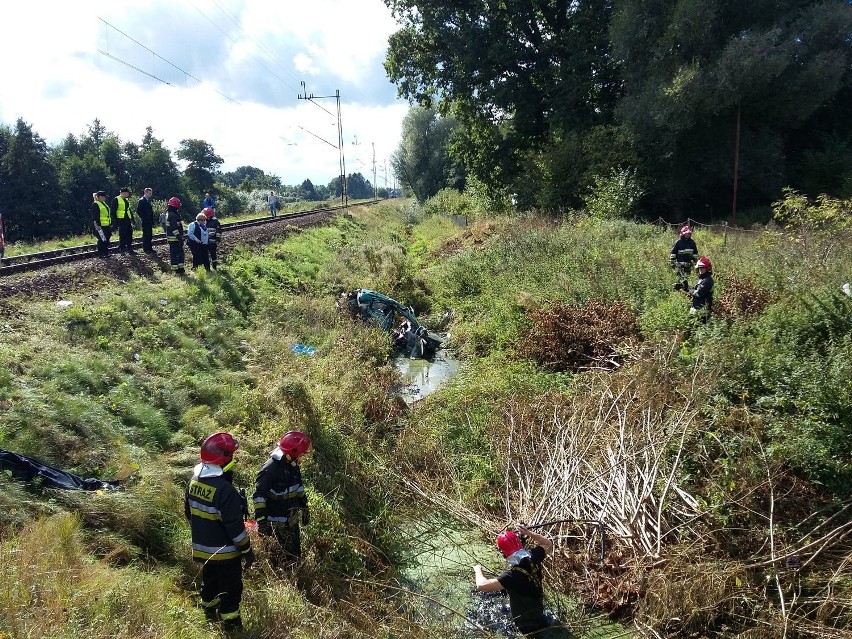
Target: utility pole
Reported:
[(375, 186), (310, 97), (736, 168)]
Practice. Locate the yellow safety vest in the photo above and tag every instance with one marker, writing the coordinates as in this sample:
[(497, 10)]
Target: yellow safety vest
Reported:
[(122, 209), (106, 220)]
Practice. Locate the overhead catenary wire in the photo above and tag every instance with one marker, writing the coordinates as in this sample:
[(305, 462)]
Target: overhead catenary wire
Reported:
[(233, 40), (186, 73)]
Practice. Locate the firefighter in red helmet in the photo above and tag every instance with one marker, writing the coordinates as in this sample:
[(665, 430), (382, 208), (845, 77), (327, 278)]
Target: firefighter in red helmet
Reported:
[(214, 509), (702, 293), (279, 496), (683, 255), (522, 581)]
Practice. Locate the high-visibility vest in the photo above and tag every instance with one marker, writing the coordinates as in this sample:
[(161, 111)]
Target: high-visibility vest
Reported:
[(122, 208), (106, 220)]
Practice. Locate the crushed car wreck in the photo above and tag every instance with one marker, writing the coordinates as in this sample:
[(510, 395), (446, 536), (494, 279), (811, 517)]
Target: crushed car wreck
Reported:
[(408, 335)]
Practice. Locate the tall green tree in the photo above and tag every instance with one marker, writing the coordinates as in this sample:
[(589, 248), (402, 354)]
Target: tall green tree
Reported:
[(202, 164), (422, 162), (692, 69), (359, 187), (30, 186), (520, 75), (154, 167)]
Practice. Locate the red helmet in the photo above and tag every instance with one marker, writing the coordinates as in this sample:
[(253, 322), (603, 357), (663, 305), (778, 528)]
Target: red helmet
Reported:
[(219, 449), (685, 229), (174, 203), (208, 212), (509, 543), (703, 262), (295, 444)]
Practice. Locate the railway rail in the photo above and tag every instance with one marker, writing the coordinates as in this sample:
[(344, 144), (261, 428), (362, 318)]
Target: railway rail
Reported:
[(44, 259)]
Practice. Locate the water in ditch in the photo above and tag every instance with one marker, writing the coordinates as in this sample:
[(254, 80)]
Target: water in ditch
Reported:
[(440, 574), (420, 377)]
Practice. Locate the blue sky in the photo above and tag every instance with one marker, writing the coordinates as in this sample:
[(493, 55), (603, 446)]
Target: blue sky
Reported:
[(64, 66)]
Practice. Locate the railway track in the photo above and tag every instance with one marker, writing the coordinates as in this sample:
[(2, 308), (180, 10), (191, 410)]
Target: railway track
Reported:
[(44, 259)]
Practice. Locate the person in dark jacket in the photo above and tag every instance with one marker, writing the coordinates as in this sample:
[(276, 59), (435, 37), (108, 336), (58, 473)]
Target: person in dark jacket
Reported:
[(197, 239), (522, 581), (214, 509), (123, 218), (145, 210), (103, 222), (682, 258), (279, 496), (702, 294), (174, 235), (214, 236)]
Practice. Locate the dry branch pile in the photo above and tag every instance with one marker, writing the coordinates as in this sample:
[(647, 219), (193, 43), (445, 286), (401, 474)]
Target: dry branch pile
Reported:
[(564, 337), (743, 298)]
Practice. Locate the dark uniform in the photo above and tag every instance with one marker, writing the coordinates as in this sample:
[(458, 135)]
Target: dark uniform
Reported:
[(197, 239), (219, 540), (523, 584), (123, 217), (101, 217), (279, 500), (146, 219), (702, 296), (174, 235), (214, 235), (683, 257)]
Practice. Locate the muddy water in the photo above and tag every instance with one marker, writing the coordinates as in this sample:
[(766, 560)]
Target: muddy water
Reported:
[(440, 574), (421, 377)]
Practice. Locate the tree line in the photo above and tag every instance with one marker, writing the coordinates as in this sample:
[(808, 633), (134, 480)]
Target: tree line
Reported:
[(46, 191), (552, 102)]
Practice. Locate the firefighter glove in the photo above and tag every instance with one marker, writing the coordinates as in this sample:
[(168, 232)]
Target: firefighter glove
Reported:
[(249, 559), (264, 527), (306, 516)]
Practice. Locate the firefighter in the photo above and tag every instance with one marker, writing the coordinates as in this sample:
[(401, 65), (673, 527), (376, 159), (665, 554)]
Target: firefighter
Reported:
[(522, 581), (123, 217), (702, 293), (173, 228), (103, 222), (279, 496), (214, 509), (684, 253), (214, 234)]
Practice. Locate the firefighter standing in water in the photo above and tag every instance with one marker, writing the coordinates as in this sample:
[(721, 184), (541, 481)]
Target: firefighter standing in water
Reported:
[(279, 496), (684, 253), (214, 509), (173, 228), (522, 581)]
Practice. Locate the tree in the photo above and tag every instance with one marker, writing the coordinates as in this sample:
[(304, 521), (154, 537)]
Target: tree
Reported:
[(359, 187), (518, 75), (307, 191), (693, 69), (156, 168), (29, 186), (202, 164), (422, 161)]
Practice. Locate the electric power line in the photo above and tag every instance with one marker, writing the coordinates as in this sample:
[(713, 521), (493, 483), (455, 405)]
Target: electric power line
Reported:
[(154, 53)]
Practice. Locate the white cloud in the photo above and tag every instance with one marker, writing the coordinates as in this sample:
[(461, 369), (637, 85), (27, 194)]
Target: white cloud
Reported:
[(55, 79)]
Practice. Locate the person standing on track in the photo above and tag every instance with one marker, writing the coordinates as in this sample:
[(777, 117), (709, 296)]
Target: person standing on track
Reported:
[(102, 218), (174, 234), (208, 201), (123, 217), (146, 218), (272, 199)]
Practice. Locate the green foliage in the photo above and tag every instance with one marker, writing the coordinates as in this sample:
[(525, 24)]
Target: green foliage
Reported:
[(614, 196)]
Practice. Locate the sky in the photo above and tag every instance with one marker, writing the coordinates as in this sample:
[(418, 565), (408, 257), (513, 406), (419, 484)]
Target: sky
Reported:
[(234, 69)]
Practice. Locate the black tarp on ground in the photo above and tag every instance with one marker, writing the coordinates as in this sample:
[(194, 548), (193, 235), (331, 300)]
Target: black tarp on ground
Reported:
[(28, 469)]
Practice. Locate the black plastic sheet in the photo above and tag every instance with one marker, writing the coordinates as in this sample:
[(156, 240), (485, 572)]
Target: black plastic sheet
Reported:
[(31, 470)]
